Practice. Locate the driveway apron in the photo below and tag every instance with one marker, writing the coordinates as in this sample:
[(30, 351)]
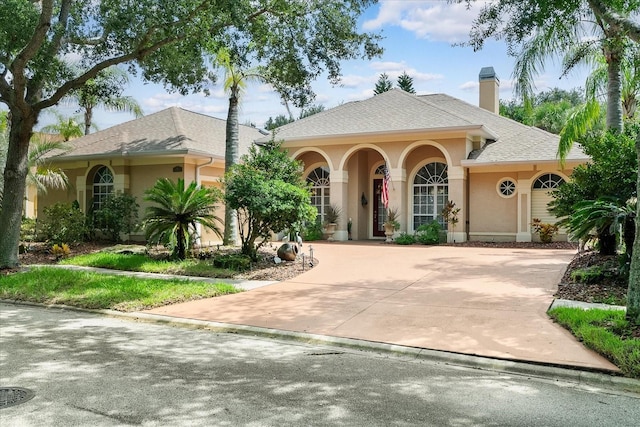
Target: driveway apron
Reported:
[(481, 301)]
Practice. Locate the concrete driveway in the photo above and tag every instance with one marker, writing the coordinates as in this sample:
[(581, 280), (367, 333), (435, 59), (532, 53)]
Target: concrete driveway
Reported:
[(481, 301)]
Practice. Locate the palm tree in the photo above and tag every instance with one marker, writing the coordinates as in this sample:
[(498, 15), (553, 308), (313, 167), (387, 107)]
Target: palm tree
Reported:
[(41, 174), (67, 127), (234, 83), (177, 211), (561, 38), (105, 90)]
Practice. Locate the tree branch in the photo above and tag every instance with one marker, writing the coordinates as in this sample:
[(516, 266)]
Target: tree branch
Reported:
[(612, 18), (30, 50)]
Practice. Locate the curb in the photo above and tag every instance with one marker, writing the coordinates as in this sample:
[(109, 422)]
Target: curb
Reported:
[(548, 372)]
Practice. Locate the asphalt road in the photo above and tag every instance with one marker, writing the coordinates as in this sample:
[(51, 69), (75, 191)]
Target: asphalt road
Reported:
[(87, 369)]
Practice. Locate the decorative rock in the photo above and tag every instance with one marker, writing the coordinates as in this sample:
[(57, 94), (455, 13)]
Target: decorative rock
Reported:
[(288, 252), (277, 260)]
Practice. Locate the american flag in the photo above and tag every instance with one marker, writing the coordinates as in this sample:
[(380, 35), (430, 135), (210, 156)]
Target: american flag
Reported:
[(385, 188)]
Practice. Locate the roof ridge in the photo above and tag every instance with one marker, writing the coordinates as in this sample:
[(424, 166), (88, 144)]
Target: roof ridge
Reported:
[(177, 121), (446, 110)]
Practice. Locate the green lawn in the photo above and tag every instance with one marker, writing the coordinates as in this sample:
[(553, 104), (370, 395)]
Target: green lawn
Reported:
[(606, 332), (50, 285), (129, 262)]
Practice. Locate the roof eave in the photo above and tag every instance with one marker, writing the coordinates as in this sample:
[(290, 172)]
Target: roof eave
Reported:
[(474, 163), (156, 153), (473, 130)]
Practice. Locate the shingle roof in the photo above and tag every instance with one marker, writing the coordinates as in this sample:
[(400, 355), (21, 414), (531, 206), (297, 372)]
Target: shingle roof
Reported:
[(399, 111), (173, 130)]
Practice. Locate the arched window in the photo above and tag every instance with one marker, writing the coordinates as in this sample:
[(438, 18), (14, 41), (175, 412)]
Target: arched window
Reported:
[(319, 179), (430, 194), (102, 186), (547, 181)]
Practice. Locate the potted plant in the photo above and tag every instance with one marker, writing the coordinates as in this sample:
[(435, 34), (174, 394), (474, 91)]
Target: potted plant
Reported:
[(391, 224), (331, 218)]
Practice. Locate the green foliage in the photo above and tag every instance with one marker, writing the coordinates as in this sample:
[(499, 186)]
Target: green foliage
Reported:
[(176, 210), (405, 82), (311, 110), (604, 216), (332, 214), (549, 110), (606, 332), (429, 234), (593, 274), (292, 42), (312, 231), (118, 214), (63, 223), (268, 192), (235, 262), (392, 219), (280, 120), (383, 84), (48, 285), (28, 230), (405, 239), (612, 173)]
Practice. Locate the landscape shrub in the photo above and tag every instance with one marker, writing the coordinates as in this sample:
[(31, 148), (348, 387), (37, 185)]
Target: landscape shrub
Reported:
[(429, 234), (118, 214), (312, 231), (63, 223), (236, 262), (405, 239)]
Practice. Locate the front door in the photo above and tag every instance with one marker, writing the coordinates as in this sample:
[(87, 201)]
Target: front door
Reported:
[(379, 213)]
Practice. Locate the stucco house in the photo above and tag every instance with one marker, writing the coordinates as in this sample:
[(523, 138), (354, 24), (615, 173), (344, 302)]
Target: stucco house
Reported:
[(437, 148), (130, 157)]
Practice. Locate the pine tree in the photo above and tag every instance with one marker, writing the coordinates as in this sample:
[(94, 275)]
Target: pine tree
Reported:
[(405, 82), (383, 84)]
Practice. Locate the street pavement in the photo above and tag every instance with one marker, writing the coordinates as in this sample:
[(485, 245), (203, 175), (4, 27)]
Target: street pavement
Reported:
[(88, 369)]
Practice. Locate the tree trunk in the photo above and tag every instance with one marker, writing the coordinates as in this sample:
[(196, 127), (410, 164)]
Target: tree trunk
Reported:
[(614, 54), (607, 242), (15, 175), (88, 117), (633, 292), (231, 157)]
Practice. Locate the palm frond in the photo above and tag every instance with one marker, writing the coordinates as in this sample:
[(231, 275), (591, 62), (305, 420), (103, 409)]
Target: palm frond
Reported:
[(580, 121)]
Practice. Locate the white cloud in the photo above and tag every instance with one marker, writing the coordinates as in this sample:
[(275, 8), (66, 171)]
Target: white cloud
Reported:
[(432, 20)]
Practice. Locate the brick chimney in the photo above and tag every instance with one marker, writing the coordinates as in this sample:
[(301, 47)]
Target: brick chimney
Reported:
[(489, 85)]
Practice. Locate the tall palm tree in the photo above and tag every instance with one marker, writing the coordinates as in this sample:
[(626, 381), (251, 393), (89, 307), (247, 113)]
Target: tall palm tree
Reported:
[(234, 83), (177, 210), (67, 127), (105, 90), (41, 174)]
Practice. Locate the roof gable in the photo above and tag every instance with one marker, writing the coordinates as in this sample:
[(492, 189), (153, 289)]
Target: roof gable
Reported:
[(399, 111)]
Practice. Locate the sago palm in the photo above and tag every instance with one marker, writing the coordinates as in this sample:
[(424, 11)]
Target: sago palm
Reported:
[(172, 219)]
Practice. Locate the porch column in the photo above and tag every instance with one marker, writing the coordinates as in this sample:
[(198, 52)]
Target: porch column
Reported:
[(524, 210), (339, 196), (398, 197), (458, 194)]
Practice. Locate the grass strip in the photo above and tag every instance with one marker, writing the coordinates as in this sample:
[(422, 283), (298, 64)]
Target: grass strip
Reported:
[(102, 291), (142, 263), (605, 331)]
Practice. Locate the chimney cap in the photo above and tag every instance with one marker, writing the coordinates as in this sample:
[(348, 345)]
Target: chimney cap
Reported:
[(488, 73)]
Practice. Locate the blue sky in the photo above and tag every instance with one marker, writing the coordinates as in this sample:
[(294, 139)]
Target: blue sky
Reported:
[(418, 37)]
